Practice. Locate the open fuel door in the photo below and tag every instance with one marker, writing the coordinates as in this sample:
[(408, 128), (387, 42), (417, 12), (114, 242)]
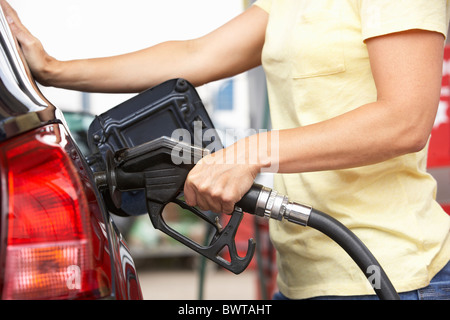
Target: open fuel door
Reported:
[(171, 109)]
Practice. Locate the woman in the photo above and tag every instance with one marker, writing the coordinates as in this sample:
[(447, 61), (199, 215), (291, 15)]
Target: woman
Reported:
[(354, 88)]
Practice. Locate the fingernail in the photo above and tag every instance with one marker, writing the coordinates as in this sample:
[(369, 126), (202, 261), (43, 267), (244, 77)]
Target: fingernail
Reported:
[(9, 19)]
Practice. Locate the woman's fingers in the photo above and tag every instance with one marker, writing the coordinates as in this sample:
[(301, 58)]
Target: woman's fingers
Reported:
[(217, 185)]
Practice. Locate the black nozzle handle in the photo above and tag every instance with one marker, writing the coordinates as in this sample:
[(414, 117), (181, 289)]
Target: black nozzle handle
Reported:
[(250, 201), (224, 237)]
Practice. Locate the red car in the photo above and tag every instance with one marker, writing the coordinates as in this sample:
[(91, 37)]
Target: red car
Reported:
[(58, 240)]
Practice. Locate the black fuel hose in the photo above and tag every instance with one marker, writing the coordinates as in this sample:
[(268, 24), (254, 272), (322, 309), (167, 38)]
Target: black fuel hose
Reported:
[(265, 202), (356, 250)]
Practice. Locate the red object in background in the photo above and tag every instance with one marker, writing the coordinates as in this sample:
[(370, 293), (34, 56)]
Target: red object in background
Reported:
[(446, 208), (439, 149)]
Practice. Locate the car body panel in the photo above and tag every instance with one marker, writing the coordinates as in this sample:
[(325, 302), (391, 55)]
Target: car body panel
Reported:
[(24, 109)]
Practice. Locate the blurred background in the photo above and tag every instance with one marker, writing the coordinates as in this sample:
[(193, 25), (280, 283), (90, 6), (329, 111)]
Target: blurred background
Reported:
[(74, 29)]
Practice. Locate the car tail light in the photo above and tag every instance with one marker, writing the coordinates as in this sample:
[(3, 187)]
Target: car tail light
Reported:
[(48, 241)]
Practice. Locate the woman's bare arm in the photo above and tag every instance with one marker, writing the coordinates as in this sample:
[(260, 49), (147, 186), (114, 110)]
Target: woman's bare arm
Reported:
[(229, 50)]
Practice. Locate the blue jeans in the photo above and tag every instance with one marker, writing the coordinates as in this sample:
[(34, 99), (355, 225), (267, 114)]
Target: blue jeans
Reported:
[(438, 289)]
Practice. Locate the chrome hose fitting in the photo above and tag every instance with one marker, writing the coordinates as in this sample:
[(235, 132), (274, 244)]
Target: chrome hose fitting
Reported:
[(272, 205), (297, 213)]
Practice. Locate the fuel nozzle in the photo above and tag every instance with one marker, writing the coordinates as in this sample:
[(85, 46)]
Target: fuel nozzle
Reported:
[(265, 202)]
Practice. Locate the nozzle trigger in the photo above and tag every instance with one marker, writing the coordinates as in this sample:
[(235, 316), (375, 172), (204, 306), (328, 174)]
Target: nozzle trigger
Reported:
[(224, 237)]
